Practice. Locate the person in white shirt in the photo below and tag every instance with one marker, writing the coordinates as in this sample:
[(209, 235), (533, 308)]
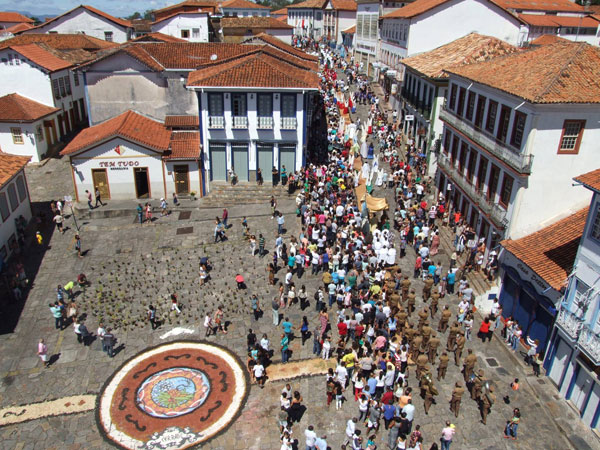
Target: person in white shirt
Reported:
[(350, 429), (259, 372), (311, 438)]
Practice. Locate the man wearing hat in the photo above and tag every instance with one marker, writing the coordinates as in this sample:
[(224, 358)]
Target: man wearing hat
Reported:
[(477, 386), (469, 365), (457, 394), (459, 346), (485, 405), (443, 366), (427, 287), (432, 346)]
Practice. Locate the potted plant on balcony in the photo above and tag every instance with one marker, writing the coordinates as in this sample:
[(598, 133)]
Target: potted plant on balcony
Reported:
[(193, 195)]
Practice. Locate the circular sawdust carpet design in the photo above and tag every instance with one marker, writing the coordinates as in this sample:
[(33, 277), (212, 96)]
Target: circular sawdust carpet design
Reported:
[(172, 396)]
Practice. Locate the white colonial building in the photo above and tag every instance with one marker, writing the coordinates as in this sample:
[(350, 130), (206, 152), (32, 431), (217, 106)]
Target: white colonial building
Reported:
[(306, 18), (188, 25), (338, 15), (27, 128), (90, 21), (249, 123), (15, 207), (134, 156), (244, 8), (513, 133), (573, 357)]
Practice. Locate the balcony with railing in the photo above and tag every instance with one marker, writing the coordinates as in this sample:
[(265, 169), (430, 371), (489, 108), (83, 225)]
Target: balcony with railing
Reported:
[(240, 122), (496, 213), (288, 123), (216, 122), (265, 123), (569, 323), (521, 163), (589, 343)]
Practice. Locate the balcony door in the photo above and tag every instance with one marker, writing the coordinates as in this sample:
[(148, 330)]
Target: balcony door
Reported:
[(559, 362)]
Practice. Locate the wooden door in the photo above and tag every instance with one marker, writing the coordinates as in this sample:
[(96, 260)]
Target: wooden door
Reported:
[(182, 179), (100, 179)]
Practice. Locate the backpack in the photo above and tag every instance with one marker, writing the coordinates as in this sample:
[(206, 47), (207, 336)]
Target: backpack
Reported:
[(316, 296)]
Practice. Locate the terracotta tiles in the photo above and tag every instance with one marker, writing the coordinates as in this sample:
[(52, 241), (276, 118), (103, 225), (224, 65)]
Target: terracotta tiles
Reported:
[(182, 121), (254, 22), (242, 4), (308, 4), (546, 20), (129, 125), (190, 3), (16, 108), (42, 57), (469, 49), (344, 5), (116, 20), (551, 252), (14, 17), (10, 165), (350, 30), (176, 13), (556, 73), (279, 12), (19, 27), (191, 55), (591, 180), (61, 41), (157, 37), (540, 5), (260, 69), (546, 39), (278, 43), (184, 145), (414, 9)]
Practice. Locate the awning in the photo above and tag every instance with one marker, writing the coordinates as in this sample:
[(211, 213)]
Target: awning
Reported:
[(376, 204)]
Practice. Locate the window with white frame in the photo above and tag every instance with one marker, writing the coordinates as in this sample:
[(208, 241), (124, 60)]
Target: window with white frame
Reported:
[(579, 301), (595, 225), (17, 135), (571, 136), (108, 36)]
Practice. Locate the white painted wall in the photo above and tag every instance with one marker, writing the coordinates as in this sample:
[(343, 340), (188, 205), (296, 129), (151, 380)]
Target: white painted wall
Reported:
[(367, 42), (83, 21), (121, 176), (345, 20), (8, 227), (458, 18), (174, 25), (194, 176), (34, 144), (313, 26), (26, 79), (284, 35), (231, 12)]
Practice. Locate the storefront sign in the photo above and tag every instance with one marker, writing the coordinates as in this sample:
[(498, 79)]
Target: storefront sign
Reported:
[(119, 165), (409, 118)]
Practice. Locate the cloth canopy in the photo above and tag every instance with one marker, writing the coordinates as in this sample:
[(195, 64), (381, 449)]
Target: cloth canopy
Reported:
[(375, 204)]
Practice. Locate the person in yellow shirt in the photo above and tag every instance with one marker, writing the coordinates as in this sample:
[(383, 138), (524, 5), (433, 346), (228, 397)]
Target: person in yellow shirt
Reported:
[(349, 360)]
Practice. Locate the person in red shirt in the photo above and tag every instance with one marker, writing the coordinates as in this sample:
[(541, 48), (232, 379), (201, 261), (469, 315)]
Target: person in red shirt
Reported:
[(388, 397), (418, 265), (342, 330), (358, 331)]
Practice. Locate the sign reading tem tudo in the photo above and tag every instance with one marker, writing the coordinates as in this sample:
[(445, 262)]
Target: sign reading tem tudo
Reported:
[(119, 165)]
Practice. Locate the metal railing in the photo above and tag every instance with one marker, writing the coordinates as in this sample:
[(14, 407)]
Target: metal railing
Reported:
[(240, 122), (265, 123), (216, 122), (495, 212), (289, 123), (569, 323), (518, 161), (589, 342)]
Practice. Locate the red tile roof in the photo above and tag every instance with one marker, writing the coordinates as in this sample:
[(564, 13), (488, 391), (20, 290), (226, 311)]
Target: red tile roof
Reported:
[(19, 27), (182, 121), (278, 43), (540, 5), (350, 30), (564, 72), (551, 252), (10, 165), (547, 20), (14, 17), (42, 57), (254, 23), (546, 39), (469, 49), (241, 4), (157, 37), (591, 180), (130, 126), (344, 5), (16, 108), (414, 9), (60, 41), (308, 4), (116, 20), (184, 145), (263, 68), (280, 12), (186, 5)]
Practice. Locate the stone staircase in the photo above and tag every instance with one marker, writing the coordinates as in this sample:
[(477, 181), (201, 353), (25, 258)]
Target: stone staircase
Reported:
[(224, 194)]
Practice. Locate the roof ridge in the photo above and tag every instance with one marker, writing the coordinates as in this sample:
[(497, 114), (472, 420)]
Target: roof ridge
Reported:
[(562, 70), (284, 73)]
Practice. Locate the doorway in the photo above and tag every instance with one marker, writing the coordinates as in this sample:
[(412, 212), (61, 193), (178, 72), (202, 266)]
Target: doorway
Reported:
[(182, 179), (239, 154), (100, 180), (142, 183), (265, 161), (218, 161), (287, 158)]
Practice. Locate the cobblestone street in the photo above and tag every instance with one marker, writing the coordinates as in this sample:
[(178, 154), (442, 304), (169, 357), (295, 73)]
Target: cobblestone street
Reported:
[(143, 264)]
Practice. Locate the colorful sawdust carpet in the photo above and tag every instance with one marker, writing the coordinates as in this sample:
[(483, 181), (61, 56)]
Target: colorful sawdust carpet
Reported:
[(172, 396)]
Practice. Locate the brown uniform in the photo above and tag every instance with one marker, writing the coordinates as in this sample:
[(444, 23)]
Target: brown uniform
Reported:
[(405, 287), (435, 298), (469, 366), (421, 362), (426, 333), (458, 349), (452, 338), (478, 383), (427, 288), (457, 394), (443, 325), (411, 303), (433, 345), (442, 367), (402, 316), (416, 346), (487, 400), (423, 316), (428, 398)]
